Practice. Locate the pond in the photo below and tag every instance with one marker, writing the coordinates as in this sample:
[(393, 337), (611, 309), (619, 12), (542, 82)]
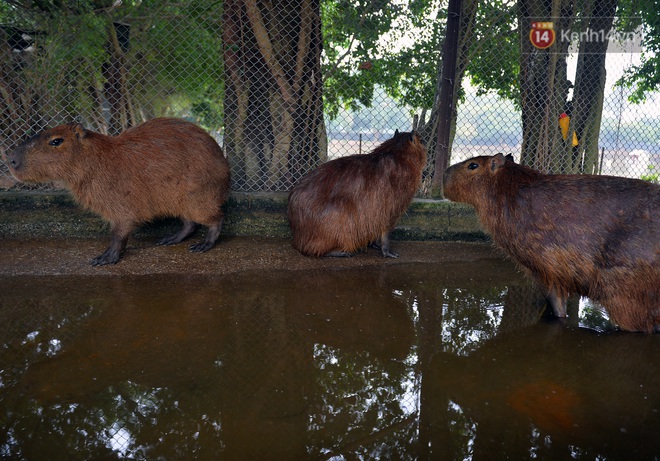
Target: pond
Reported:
[(405, 361)]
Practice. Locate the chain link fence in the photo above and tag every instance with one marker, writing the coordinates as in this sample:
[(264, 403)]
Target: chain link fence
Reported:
[(286, 87)]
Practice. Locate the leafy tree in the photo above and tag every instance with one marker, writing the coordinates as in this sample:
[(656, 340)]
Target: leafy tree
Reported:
[(637, 16), (494, 59), (112, 65), (497, 56), (364, 47), (410, 71)]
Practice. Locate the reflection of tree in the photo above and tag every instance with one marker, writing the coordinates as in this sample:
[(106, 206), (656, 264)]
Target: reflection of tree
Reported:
[(461, 318), (297, 365), (188, 368), (555, 392), (362, 407)]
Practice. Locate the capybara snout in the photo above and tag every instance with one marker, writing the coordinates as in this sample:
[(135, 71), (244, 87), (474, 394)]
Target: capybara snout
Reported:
[(472, 172), (596, 236), (47, 155), (475, 173), (352, 201), (164, 167)]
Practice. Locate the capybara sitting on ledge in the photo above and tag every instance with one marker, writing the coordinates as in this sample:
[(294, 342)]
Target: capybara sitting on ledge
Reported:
[(596, 236), (352, 201), (164, 167)]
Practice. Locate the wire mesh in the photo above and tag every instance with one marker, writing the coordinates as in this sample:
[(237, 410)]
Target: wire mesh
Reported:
[(286, 88)]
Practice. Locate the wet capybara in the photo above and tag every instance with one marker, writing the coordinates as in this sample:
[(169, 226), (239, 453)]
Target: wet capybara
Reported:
[(164, 167), (352, 201), (595, 236)]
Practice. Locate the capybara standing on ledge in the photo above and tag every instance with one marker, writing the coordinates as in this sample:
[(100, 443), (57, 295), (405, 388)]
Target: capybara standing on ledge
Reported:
[(164, 167), (596, 236), (352, 201)]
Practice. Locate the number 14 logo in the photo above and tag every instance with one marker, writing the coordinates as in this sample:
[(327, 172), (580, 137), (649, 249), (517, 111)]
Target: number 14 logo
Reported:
[(542, 35)]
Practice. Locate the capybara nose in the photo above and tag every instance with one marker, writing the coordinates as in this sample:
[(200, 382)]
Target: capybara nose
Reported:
[(13, 161)]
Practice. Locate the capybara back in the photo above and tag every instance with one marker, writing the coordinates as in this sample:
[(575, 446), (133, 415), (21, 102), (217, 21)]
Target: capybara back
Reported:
[(351, 201), (164, 167), (596, 236)]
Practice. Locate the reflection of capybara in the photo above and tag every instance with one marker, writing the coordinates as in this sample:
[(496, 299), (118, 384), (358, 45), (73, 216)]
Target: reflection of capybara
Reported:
[(352, 201), (164, 167), (595, 236)]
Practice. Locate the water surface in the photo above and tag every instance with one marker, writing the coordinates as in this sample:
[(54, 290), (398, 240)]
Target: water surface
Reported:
[(408, 361)]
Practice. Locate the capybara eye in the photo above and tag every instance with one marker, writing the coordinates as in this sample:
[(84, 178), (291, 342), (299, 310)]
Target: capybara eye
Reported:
[(473, 166), (56, 142)]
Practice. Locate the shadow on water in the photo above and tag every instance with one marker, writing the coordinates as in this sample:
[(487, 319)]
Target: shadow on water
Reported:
[(409, 361)]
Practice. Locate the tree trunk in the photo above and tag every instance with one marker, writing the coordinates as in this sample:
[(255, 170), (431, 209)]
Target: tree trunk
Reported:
[(274, 130), (543, 84), (21, 100), (589, 90), (114, 71), (445, 105)]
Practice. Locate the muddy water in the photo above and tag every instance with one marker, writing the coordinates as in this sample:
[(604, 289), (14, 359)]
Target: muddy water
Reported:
[(410, 361)]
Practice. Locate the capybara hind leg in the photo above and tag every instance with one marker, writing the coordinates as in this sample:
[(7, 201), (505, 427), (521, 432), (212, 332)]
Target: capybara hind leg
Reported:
[(112, 254), (211, 237), (383, 244), (629, 313), (558, 303), (187, 229)]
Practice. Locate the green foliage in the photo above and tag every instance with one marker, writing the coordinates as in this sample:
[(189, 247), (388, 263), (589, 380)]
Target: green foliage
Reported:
[(636, 15), (177, 52), (365, 47), (652, 175), (371, 44), (172, 66), (495, 55)]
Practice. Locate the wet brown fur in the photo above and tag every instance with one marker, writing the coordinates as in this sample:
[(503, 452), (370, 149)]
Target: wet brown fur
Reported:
[(596, 236), (351, 201), (164, 167)]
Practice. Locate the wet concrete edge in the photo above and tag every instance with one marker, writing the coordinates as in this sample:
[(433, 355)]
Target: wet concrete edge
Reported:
[(56, 214)]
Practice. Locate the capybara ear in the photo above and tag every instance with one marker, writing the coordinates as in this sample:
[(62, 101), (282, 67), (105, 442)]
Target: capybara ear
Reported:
[(497, 161), (509, 158), (79, 130)]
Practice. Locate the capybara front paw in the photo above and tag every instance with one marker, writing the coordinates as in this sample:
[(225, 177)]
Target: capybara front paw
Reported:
[(389, 254), (104, 260)]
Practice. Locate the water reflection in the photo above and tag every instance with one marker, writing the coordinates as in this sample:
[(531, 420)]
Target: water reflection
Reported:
[(551, 392), (400, 362)]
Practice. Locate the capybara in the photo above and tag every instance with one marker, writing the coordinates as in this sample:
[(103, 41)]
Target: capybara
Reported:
[(164, 167), (347, 203), (596, 236)]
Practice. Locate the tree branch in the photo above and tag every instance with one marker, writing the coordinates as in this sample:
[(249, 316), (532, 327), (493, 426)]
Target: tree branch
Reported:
[(266, 49)]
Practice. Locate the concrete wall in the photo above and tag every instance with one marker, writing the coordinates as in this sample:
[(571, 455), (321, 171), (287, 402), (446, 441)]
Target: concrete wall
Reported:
[(55, 214)]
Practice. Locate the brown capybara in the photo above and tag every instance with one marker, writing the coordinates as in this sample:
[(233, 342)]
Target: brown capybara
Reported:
[(164, 167), (595, 236), (352, 201)]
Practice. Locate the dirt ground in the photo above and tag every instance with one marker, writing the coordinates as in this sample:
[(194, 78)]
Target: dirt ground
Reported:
[(231, 254)]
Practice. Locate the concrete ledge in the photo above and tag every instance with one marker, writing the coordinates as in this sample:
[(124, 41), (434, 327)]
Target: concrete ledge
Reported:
[(55, 214)]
